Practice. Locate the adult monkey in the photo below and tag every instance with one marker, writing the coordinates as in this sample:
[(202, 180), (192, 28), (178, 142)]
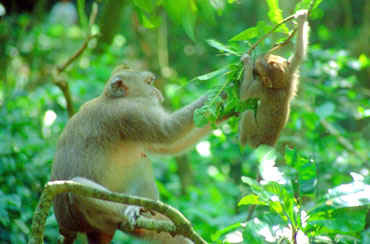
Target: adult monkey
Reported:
[(104, 146)]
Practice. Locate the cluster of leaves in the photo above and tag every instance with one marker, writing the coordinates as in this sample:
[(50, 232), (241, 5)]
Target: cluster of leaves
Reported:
[(339, 215)]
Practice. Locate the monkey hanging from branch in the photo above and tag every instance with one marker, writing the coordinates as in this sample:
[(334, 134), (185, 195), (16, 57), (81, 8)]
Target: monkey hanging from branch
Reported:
[(274, 81)]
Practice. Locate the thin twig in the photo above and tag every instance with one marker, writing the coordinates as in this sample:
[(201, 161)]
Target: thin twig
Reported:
[(61, 81), (269, 33), (290, 37)]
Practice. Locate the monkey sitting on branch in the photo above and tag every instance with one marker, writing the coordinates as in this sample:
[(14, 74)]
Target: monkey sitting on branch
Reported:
[(105, 146), (274, 81)]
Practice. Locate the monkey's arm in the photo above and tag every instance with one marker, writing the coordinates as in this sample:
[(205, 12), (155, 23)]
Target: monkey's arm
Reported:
[(152, 125), (249, 87), (301, 42), (184, 143)]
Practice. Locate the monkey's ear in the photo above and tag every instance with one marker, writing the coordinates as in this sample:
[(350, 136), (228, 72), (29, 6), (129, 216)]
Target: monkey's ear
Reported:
[(118, 88)]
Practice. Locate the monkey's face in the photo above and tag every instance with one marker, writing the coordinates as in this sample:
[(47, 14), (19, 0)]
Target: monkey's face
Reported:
[(273, 71), (131, 83)]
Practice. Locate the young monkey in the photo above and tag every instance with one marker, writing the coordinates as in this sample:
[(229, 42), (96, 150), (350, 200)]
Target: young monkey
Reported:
[(275, 85)]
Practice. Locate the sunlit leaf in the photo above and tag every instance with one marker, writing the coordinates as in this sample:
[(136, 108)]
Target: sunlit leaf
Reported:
[(216, 236), (251, 200), (307, 178), (339, 220), (305, 4), (356, 194), (212, 74), (291, 156), (222, 47), (275, 14), (257, 232), (246, 34)]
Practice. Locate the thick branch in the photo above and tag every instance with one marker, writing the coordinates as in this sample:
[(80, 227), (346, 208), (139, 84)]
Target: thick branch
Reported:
[(179, 226)]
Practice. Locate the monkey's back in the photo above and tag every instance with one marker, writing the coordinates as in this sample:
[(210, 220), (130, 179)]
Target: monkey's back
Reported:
[(272, 115), (81, 151)]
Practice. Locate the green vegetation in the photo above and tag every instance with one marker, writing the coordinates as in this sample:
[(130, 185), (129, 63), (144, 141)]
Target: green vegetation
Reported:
[(313, 185)]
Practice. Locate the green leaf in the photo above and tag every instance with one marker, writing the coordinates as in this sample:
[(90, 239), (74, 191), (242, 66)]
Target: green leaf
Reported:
[(340, 220), (222, 47), (146, 5), (246, 34), (291, 156), (251, 200), (212, 74), (252, 182), (356, 194), (307, 178), (305, 4), (280, 200), (175, 9), (216, 236), (188, 22), (275, 14), (81, 12), (148, 22), (207, 10), (257, 232)]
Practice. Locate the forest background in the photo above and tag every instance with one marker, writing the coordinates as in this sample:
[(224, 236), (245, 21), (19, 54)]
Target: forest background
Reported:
[(319, 169)]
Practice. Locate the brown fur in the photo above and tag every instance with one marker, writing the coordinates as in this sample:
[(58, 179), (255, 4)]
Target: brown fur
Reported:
[(275, 85), (104, 146)]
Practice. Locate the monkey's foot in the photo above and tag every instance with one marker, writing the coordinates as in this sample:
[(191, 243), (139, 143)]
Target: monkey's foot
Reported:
[(301, 15), (131, 214)]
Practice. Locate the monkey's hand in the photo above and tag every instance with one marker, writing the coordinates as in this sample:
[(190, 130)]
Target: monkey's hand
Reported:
[(301, 16), (246, 59), (131, 213)]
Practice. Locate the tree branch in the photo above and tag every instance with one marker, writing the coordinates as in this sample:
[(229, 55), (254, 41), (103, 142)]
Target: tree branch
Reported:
[(179, 226), (280, 45), (61, 81), (290, 37)]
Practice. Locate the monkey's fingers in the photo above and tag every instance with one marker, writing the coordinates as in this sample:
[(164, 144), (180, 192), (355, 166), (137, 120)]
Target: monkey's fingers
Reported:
[(131, 213), (246, 58), (144, 210), (301, 15)]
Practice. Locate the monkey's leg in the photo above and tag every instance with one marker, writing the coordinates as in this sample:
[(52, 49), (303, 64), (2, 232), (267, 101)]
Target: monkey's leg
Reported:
[(248, 128), (102, 216), (67, 238)]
